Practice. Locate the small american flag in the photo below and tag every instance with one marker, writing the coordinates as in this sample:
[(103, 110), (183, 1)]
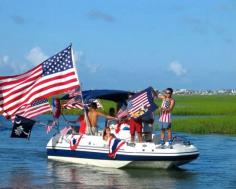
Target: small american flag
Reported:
[(123, 112), (74, 92), (76, 103), (141, 103), (50, 125), (54, 76), (73, 104), (65, 130), (34, 109)]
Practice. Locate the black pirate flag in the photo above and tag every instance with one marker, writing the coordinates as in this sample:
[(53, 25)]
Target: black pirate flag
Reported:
[(22, 127)]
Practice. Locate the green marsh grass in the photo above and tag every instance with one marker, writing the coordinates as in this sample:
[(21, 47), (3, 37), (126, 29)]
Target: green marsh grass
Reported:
[(201, 114), (205, 105), (206, 125), (205, 114)]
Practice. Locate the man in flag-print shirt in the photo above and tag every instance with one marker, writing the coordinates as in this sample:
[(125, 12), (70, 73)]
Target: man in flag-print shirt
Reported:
[(166, 109)]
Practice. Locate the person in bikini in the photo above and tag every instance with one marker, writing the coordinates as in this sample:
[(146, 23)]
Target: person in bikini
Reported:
[(107, 134), (93, 115), (166, 109)]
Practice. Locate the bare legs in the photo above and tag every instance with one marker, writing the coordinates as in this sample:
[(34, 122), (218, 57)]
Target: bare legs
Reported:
[(132, 138), (169, 134), (139, 138), (163, 134)]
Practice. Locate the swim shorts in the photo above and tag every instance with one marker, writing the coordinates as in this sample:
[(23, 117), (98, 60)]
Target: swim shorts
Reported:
[(135, 126), (164, 125)]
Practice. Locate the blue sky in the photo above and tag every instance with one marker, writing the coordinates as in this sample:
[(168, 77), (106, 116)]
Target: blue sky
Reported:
[(125, 44)]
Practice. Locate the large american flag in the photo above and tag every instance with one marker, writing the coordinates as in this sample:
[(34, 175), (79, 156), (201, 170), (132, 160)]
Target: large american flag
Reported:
[(54, 76), (34, 109), (141, 103)]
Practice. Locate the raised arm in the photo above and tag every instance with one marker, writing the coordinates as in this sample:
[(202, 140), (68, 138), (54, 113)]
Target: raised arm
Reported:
[(106, 116), (159, 95)]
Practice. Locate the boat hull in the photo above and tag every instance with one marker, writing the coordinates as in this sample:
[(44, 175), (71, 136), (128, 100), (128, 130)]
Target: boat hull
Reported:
[(142, 155), (122, 164)]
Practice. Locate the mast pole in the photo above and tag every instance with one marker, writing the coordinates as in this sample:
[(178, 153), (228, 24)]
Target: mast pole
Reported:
[(88, 126)]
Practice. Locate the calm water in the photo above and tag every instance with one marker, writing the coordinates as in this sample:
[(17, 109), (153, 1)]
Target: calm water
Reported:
[(24, 164)]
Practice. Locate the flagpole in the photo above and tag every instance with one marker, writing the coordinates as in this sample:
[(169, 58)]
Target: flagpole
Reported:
[(84, 110)]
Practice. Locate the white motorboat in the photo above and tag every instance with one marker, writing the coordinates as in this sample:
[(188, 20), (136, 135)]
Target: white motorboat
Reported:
[(93, 150)]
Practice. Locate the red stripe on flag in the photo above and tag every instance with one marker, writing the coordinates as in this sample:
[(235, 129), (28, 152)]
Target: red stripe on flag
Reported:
[(36, 94), (30, 111), (54, 76)]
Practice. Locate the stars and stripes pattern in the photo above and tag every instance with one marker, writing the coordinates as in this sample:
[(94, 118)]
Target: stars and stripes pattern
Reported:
[(65, 130), (74, 141), (165, 117), (74, 103), (114, 145), (50, 125), (75, 92), (141, 103), (34, 109), (54, 76), (3, 113), (123, 112), (71, 104), (138, 102)]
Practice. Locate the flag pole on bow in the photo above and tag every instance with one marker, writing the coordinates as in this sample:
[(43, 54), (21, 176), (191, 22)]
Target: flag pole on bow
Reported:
[(88, 126)]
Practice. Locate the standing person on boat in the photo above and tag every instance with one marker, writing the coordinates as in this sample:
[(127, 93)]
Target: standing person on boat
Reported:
[(166, 109), (148, 121), (135, 126), (93, 115)]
